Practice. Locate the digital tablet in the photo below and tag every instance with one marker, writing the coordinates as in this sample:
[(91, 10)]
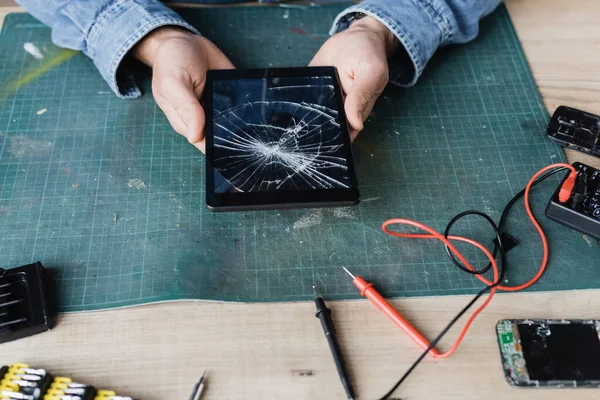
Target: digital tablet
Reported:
[(277, 138)]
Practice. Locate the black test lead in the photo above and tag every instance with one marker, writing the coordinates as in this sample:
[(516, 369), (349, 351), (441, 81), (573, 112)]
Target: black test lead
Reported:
[(324, 315)]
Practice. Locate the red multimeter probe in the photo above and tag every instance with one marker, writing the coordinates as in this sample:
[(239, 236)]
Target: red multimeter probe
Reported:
[(367, 289)]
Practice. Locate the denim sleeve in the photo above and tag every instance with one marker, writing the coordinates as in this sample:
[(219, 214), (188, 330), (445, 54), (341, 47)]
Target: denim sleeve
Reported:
[(421, 26), (104, 30)]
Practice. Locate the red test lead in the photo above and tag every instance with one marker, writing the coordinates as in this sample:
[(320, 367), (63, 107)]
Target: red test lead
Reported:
[(367, 290)]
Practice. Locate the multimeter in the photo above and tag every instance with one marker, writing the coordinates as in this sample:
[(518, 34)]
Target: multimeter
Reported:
[(582, 210)]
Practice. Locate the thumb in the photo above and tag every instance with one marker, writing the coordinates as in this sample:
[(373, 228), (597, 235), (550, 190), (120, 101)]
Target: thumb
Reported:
[(368, 84), (187, 107), (220, 61), (359, 101)]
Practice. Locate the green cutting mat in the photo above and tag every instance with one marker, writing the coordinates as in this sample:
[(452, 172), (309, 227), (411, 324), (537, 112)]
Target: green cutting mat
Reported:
[(102, 191)]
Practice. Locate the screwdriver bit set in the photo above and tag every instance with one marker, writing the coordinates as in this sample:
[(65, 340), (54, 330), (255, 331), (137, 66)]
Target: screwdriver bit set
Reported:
[(19, 381)]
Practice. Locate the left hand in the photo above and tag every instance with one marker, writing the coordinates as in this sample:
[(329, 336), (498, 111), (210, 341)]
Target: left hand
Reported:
[(179, 60), (360, 54)]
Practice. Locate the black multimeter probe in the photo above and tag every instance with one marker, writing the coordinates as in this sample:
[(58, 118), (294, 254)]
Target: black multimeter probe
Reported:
[(324, 315)]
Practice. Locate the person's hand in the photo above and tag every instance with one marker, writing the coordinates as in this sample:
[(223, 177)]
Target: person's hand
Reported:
[(179, 60), (360, 54)]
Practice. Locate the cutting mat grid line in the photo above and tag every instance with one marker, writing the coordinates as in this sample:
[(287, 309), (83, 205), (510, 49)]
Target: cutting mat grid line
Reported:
[(103, 192)]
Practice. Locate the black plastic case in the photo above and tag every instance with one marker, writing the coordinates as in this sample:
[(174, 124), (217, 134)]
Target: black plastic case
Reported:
[(575, 129), (582, 211), (25, 308)]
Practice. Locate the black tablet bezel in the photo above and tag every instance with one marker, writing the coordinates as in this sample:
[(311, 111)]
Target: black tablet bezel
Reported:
[(277, 199)]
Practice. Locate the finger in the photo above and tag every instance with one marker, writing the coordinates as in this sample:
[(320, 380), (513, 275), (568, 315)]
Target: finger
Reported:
[(180, 127), (186, 106), (200, 145), (220, 62), (346, 78), (361, 98), (356, 103), (175, 121), (318, 61)]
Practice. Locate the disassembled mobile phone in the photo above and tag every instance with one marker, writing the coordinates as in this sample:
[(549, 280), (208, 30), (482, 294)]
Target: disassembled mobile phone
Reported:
[(575, 129), (550, 353), (277, 138)]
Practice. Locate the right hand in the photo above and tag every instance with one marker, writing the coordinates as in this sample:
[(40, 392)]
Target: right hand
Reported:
[(179, 60), (360, 54)]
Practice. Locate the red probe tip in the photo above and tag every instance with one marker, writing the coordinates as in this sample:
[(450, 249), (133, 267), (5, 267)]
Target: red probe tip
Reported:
[(367, 290), (349, 273)]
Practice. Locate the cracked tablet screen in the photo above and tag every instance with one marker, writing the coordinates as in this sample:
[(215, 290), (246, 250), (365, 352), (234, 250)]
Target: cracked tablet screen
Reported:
[(277, 134)]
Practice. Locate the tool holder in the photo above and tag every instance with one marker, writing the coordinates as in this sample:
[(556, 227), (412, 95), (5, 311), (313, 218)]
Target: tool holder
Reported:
[(24, 305)]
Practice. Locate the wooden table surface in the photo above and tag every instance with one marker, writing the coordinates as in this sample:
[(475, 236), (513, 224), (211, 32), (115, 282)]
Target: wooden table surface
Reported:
[(277, 351)]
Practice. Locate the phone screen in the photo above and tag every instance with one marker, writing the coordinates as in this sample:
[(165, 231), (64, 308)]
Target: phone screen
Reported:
[(550, 352), (277, 138)]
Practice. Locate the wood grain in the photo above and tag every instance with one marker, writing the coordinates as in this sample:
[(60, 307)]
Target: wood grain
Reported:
[(277, 351), (561, 40)]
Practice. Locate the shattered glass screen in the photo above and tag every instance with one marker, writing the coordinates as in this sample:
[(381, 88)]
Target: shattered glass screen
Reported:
[(277, 134), (562, 352)]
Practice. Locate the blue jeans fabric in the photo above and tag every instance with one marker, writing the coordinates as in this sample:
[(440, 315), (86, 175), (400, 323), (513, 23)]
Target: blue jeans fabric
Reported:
[(105, 30)]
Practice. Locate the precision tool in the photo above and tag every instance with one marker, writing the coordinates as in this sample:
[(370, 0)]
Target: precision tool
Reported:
[(324, 315), (18, 381), (199, 388), (367, 290)]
